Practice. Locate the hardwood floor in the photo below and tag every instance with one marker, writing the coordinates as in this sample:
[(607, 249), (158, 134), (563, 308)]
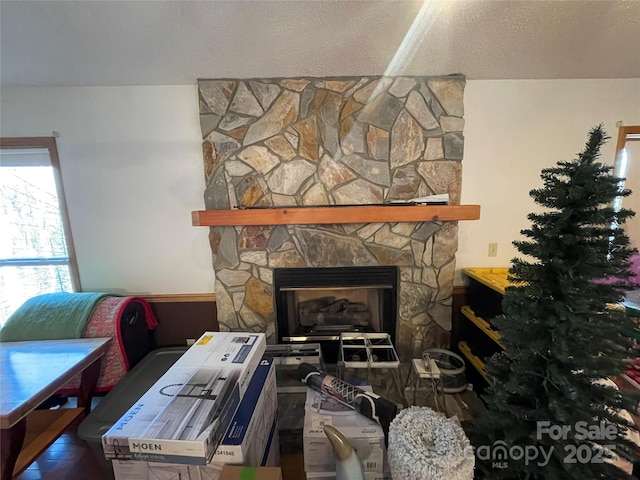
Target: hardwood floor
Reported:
[(69, 458)]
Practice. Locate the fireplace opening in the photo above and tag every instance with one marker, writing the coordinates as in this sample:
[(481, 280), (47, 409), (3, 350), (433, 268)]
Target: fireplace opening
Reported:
[(317, 304)]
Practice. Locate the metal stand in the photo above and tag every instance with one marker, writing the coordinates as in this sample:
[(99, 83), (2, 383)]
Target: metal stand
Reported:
[(432, 378), (370, 351)]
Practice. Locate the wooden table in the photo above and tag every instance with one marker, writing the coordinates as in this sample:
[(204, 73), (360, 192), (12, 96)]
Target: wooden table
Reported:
[(30, 372)]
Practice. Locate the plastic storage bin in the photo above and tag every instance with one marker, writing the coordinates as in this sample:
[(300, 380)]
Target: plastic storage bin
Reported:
[(123, 396)]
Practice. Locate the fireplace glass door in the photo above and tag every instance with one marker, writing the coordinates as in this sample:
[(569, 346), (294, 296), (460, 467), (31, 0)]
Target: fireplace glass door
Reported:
[(317, 304)]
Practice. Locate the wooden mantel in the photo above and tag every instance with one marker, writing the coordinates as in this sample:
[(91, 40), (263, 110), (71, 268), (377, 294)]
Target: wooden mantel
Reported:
[(334, 214)]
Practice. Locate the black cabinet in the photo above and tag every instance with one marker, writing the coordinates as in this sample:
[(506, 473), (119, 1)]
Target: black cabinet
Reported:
[(473, 334)]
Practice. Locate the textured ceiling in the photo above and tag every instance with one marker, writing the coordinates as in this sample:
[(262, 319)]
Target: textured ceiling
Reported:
[(96, 42)]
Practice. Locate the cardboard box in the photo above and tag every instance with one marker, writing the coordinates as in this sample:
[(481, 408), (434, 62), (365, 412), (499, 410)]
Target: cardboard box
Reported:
[(365, 435), (245, 439), (253, 434), (271, 455), (332, 476), (139, 470), (251, 473), (182, 418)]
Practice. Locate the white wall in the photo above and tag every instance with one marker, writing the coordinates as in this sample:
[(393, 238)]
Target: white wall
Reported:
[(514, 129), (133, 171)]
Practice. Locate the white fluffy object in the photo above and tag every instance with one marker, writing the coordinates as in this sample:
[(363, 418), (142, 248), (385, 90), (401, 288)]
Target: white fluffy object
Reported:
[(425, 445)]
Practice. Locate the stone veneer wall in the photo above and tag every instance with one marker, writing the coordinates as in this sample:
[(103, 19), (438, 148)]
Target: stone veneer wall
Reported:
[(317, 141)]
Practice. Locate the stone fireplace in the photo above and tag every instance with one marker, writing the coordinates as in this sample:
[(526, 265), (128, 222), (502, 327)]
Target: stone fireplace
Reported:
[(333, 141)]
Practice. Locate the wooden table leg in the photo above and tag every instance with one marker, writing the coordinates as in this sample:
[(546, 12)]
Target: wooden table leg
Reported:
[(88, 383), (11, 443)]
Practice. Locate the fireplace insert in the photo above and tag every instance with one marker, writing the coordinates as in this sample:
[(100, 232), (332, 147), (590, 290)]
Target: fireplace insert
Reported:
[(317, 304)]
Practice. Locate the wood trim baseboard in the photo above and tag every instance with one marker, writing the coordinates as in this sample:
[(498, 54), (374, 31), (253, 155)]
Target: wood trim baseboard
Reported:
[(459, 289), (183, 316), (179, 297)]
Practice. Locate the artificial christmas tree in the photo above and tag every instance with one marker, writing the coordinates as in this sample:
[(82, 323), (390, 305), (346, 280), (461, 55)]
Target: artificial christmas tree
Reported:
[(561, 335)]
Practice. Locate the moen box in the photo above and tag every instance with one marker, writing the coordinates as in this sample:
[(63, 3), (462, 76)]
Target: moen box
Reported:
[(139, 470), (363, 434), (183, 416), (251, 438), (245, 439)]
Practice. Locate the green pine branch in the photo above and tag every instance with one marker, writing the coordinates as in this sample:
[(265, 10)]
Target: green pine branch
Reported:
[(561, 335)]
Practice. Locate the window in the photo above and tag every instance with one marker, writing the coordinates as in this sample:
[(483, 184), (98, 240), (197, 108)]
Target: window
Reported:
[(36, 249), (628, 166)]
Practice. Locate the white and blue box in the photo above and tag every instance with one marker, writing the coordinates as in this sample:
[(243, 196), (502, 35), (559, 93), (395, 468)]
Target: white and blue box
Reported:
[(364, 435), (247, 434), (184, 415), (251, 438)]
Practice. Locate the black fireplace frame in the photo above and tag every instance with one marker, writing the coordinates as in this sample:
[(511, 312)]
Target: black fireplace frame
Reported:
[(330, 277)]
